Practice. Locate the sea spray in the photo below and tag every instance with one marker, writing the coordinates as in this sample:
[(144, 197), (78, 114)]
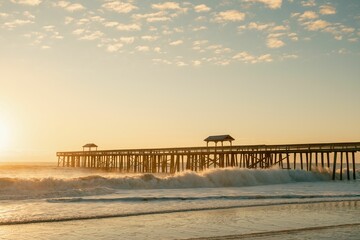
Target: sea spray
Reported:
[(50, 187)]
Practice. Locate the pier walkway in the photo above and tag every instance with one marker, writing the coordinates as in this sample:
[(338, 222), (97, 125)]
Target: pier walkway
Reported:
[(339, 157)]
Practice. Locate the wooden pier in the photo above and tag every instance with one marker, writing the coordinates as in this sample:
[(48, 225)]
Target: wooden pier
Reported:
[(339, 157)]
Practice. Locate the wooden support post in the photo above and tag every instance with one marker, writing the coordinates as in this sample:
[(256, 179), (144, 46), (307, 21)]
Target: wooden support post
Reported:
[(328, 159), (301, 161), (334, 165), (322, 159), (353, 163), (341, 165), (280, 161), (294, 161), (316, 159), (347, 166), (287, 161)]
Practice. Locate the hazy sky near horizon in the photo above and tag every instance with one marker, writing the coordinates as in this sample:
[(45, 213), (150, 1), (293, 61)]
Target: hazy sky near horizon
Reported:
[(136, 74)]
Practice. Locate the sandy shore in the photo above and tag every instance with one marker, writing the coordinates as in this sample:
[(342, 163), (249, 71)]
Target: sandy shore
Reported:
[(331, 220)]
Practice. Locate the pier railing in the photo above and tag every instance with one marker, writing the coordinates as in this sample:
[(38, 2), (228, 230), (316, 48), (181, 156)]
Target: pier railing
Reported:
[(171, 160)]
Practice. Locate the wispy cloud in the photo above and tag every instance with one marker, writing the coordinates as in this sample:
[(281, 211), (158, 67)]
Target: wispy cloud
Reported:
[(160, 16), (327, 10), (166, 6), (308, 15), (127, 40), (27, 2), (274, 43), (201, 8), (176, 43), (230, 16), (248, 58), (149, 38), (316, 25), (272, 4), (129, 27), (68, 6), (16, 23), (142, 48), (118, 6), (89, 35), (309, 3)]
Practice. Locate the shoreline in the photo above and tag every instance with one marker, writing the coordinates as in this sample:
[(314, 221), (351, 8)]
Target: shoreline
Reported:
[(125, 215), (263, 222)]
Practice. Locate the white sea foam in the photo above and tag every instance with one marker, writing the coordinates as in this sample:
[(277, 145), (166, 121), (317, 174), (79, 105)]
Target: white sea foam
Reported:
[(53, 187)]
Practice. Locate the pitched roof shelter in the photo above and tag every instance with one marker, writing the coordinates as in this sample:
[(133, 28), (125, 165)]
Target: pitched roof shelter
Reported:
[(219, 138), (90, 145)]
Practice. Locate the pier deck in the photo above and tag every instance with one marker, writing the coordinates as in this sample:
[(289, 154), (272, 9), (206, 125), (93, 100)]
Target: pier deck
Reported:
[(336, 156)]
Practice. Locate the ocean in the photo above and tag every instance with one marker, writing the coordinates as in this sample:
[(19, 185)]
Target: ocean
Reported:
[(43, 201)]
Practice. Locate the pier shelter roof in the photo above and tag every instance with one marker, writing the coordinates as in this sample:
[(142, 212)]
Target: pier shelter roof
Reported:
[(219, 138), (90, 145)]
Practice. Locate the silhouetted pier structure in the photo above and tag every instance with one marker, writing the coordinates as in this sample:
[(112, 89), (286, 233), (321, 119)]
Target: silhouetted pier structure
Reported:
[(336, 156)]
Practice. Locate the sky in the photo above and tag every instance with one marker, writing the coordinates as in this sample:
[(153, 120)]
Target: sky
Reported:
[(142, 74)]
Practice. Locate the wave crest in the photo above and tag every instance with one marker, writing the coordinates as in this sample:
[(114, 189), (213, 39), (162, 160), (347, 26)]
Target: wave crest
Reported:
[(26, 188)]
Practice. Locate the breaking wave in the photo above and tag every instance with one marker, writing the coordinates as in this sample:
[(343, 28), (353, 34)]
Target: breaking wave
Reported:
[(51, 187)]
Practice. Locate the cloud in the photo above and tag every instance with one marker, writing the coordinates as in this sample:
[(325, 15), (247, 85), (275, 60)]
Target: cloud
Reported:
[(75, 7), (78, 31), (195, 29), (127, 40), (289, 56), (142, 48), (158, 19), (16, 23), (4, 15), (91, 35), (160, 16), (119, 7), (293, 36), (71, 7), (316, 25), (309, 3), (257, 26), (181, 64), (166, 6), (149, 38), (114, 47), (272, 4), (279, 28), (68, 20), (201, 8), (327, 10), (274, 43), (27, 2), (129, 27), (196, 63), (347, 29), (353, 40), (52, 33), (248, 58), (308, 15), (176, 43), (230, 15), (111, 24)]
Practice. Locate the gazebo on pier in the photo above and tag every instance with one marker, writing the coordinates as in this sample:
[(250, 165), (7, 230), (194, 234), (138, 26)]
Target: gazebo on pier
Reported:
[(219, 138), (89, 146)]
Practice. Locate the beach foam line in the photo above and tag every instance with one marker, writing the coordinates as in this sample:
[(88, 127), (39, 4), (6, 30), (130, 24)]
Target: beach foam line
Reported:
[(118, 215), (278, 232), (152, 199)]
